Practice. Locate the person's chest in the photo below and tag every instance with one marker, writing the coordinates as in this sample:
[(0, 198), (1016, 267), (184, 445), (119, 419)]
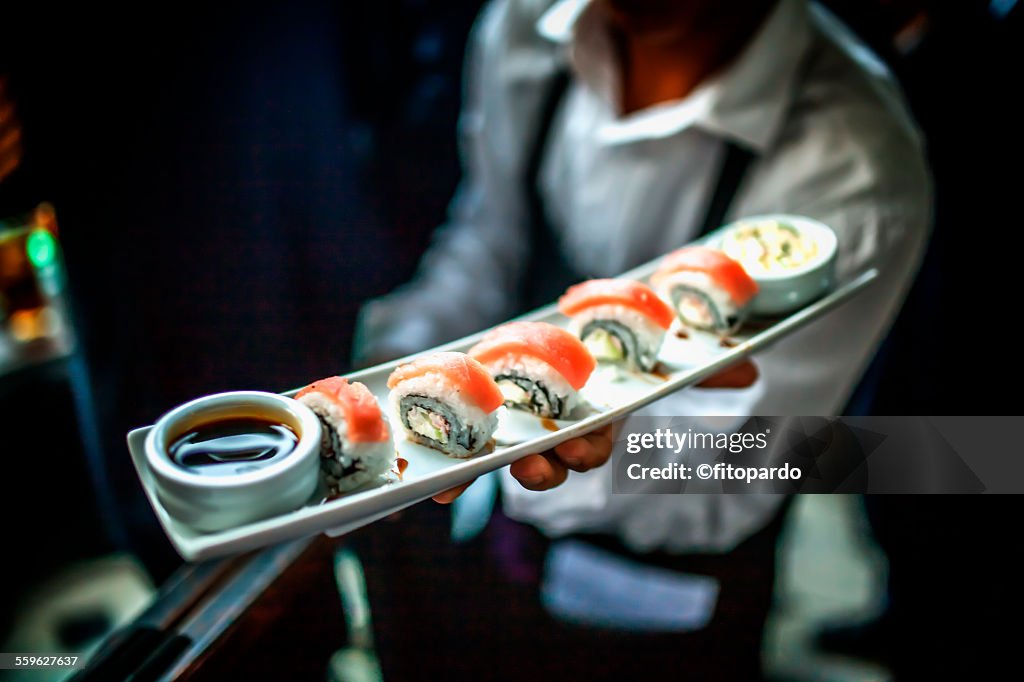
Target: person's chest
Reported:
[(620, 191)]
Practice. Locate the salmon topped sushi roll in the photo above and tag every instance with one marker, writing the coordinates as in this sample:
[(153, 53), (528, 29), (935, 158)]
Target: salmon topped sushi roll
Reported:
[(446, 401), (708, 289), (356, 445), (538, 367), (618, 320)]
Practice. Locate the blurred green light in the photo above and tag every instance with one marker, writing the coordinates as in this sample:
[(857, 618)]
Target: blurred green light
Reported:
[(41, 248)]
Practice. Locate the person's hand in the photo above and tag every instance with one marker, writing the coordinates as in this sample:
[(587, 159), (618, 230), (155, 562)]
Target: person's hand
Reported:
[(550, 469), (10, 133)]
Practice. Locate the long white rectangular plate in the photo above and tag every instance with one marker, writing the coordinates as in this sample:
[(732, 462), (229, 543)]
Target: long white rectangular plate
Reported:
[(610, 393)]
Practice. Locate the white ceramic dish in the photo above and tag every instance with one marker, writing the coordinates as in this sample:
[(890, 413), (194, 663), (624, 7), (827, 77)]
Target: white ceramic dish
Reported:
[(611, 395), (785, 291), (212, 503)]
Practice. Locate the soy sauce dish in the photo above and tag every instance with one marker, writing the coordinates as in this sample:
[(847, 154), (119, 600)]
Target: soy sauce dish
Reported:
[(791, 258), (232, 458)]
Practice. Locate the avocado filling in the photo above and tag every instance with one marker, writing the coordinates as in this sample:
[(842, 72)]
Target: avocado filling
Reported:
[(524, 393), (429, 424), (604, 345), (696, 309), (434, 422)]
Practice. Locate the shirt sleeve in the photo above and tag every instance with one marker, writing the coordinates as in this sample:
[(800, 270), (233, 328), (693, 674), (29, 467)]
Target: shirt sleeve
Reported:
[(469, 277)]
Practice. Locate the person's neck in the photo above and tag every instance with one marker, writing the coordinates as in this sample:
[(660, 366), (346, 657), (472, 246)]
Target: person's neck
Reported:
[(653, 71)]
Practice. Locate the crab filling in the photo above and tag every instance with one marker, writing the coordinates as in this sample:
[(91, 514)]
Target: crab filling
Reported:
[(526, 394), (429, 424), (434, 421), (605, 345), (697, 310)]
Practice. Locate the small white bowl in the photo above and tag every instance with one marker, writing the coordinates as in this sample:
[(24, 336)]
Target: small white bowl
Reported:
[(211, 503), (784, 292)]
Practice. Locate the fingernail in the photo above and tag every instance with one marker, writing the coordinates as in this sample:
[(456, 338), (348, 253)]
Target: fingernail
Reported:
[(530, 481), (572, 461)]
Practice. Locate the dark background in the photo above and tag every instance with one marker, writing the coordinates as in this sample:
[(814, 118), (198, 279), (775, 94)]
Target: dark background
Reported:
[(232, 182)]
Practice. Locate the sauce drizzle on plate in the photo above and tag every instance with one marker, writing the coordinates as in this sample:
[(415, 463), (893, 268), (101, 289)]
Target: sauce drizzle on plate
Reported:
[(549, 424)]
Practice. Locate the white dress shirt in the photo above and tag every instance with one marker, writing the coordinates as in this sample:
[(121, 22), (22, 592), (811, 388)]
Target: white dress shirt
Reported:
[(833, 141)]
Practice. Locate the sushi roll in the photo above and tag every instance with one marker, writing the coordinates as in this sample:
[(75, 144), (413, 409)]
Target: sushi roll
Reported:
[(708, 289), (618, 320), (538, 367), (446, 401), (355, 445)]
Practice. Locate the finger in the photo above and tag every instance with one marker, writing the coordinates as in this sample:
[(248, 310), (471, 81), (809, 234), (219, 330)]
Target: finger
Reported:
[(448, 496), (586, 452), (539, 472), (741, 375)]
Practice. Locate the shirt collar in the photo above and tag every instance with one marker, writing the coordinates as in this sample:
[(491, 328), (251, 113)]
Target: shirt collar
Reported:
[(746, 102)]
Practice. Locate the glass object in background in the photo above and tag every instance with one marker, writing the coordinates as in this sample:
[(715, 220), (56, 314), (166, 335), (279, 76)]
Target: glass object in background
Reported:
[(33, 317)]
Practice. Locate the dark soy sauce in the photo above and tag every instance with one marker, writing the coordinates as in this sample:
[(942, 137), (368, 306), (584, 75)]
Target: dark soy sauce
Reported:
[(232, 446)]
